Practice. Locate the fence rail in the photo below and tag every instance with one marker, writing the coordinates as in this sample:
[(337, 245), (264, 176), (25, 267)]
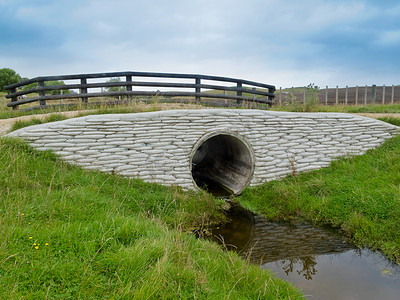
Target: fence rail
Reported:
[(358, 95), (88, 86)]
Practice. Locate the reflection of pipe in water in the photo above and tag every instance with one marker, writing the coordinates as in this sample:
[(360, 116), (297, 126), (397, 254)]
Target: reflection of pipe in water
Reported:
[(238, 232), (263, 241), (281, 240)]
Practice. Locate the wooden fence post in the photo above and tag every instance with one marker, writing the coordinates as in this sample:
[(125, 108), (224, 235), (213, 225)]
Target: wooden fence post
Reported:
[(280, 96), (129, 83), (356, 94), (304, 95), (383, 94), (365, 94), (392, 94), (42, 94), (83, 90), (198, 89), (337, 95), (239, 93), (129, 86), (373, 93), (326, 95), (347, 95), (271, 90), (14, 98)]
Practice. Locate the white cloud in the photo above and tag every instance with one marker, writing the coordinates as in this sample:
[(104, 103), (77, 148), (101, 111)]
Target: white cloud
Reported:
[(282, 41), (389, 38)]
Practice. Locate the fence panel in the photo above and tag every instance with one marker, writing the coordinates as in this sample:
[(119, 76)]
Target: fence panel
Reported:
[(347, 96), (236, 90)]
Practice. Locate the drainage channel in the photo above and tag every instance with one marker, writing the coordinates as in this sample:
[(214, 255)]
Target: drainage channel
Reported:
[(317, 260)]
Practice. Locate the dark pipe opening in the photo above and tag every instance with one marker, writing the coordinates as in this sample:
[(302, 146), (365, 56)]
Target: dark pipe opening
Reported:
[(222, 165)]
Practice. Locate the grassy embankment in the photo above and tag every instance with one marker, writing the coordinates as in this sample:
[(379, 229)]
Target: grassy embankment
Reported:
[(71, 234), (82, 216)]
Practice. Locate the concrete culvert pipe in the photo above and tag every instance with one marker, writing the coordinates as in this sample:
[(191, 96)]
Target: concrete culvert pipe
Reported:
[(222, 164)]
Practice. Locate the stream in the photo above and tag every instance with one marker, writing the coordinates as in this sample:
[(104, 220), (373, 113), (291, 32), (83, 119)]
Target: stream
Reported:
[(317, 260)]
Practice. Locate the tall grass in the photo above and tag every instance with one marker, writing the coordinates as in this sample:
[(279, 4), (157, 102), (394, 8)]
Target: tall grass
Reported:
[(100, 107), (67, 233)]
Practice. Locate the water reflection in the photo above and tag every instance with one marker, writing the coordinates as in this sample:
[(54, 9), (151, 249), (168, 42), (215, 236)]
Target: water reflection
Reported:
[(354, 274), (273, 241), (317, 260), (262, 241), (308, 266)]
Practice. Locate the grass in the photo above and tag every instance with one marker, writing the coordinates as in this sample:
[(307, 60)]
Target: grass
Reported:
[(139, 105), (369, 108), (67, 233), (34, 121), (360, 195), (391, 120), (374, 108)]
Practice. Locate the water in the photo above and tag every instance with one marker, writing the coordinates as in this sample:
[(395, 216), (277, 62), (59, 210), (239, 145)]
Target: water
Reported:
[(317, 260)]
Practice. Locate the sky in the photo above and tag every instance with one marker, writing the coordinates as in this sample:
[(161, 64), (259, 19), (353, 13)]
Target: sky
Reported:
[(280, 42)]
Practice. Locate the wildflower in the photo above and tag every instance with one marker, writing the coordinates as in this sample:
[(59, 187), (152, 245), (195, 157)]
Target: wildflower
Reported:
[(30, 237), (22, 214), (46, 244), (36, 247)]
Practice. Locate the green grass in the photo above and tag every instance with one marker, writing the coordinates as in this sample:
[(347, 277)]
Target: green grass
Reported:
[(373, 108), (369, 108), (34, 121), (140, 105), (359, 195), (391, 120), (67, 233)]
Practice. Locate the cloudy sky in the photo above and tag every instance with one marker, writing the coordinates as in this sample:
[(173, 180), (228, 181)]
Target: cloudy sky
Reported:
[(285, 43)]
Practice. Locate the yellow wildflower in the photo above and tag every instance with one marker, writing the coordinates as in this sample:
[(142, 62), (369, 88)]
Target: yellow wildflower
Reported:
[(30, 237), (37, 247)]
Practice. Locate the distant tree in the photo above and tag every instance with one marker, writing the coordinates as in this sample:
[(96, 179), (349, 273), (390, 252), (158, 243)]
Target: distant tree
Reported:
[(48, 83), (115, 88), (57, 92), (7, 77)]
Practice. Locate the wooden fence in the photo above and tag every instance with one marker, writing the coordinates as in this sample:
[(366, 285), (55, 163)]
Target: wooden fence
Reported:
[(358, 95), (87, 86)]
